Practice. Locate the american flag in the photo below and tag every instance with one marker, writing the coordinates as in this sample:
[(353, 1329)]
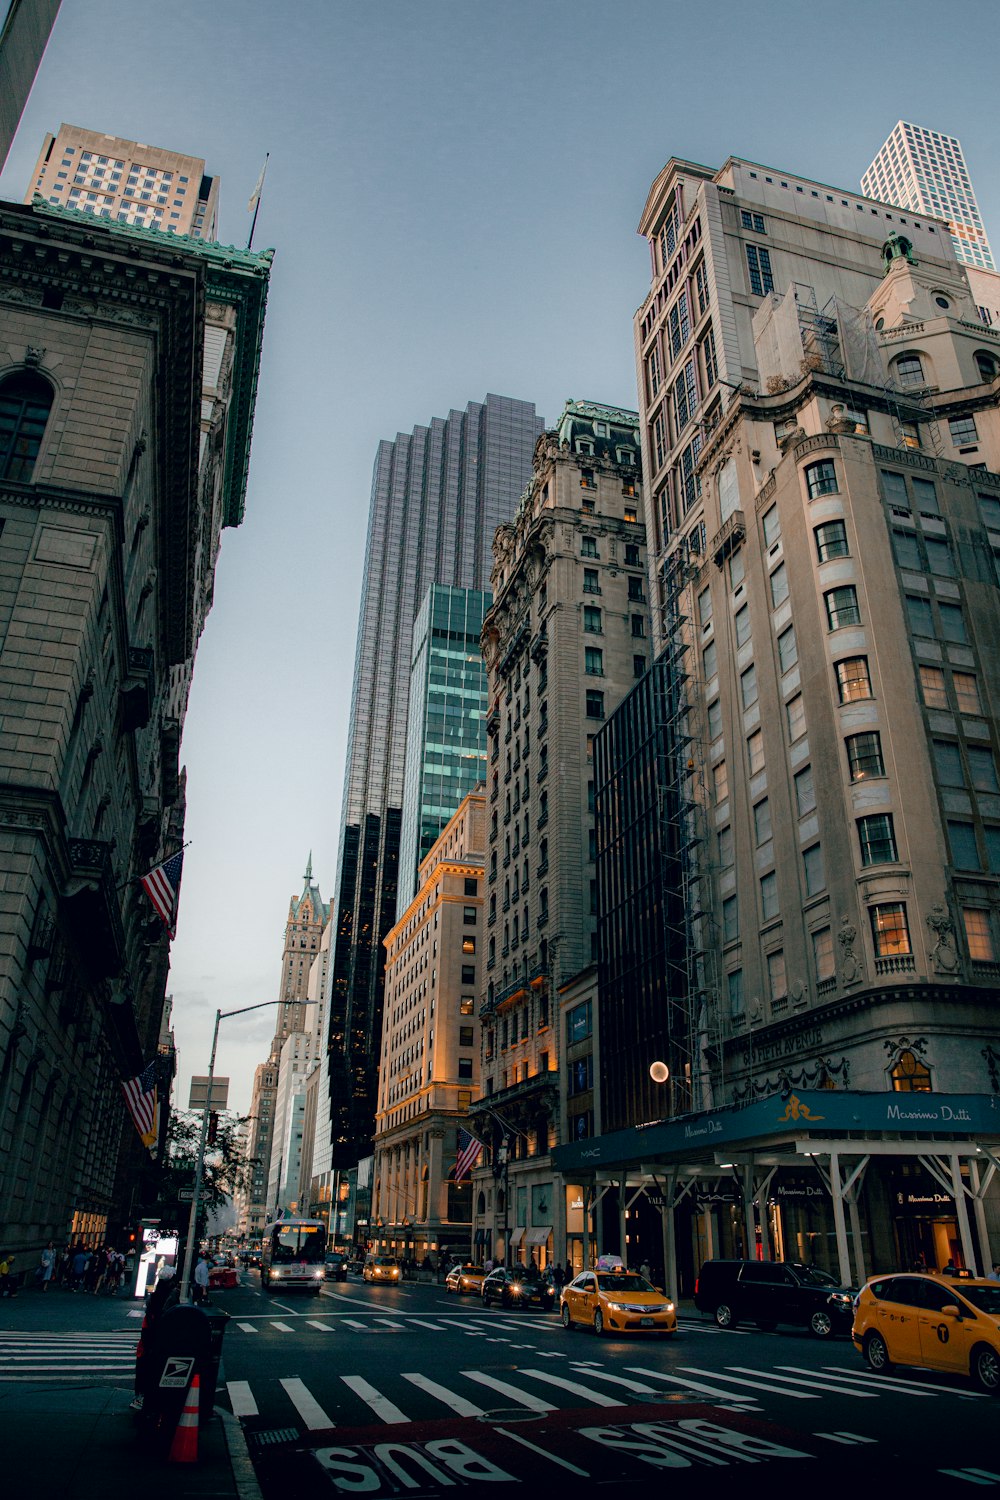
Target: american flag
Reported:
[(469, 1152), (140, 1096), (162, 886)]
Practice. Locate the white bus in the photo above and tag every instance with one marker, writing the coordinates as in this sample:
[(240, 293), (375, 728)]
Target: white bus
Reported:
[(292, 1256)]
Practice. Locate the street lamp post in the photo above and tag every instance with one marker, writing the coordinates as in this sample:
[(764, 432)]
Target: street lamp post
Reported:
[(199, 1171)]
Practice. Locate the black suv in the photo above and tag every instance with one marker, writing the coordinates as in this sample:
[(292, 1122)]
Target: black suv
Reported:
[(513, 1286), (769, 1292)]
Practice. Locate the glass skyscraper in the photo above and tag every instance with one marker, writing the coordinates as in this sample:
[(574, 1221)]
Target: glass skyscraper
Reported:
[(925, 171), (446, 734), (438, 495)]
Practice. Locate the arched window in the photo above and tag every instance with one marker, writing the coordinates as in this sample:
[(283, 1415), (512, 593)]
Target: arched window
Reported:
[(910, 1075), (25, 403), (987, 366)]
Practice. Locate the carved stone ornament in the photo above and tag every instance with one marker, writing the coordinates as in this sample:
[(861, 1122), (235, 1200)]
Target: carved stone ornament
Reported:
[(34, 354), (944, 956), (915, 1044), (851, 967)]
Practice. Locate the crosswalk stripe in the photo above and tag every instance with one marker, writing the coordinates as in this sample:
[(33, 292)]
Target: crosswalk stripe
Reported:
[(389, 1323), (597, 1398), (850, 1439), (459, 1405), (924, 1388), (241, 1397), (813, 1382), (383, 1408), (353, 1323), (972, 1476), (523, 1398), (306, 1405), (732, 1397), (637, 1386), (282, 1327), (423, 1323), (323, 1327), (757, 1384), (247, 1327)]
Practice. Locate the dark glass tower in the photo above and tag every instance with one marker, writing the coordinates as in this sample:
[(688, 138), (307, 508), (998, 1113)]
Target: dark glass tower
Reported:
[(438, 495)]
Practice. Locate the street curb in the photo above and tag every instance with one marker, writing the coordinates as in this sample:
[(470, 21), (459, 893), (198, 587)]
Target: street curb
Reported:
[(239, 1457)]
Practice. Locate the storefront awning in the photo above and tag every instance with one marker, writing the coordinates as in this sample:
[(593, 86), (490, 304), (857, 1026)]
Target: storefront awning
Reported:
[(538, 1236), (517, 1235)]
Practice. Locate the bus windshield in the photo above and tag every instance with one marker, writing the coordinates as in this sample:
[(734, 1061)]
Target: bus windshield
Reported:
[(297, 1242)]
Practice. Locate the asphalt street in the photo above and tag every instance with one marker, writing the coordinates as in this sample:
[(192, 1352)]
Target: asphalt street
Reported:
[(411, 1391)]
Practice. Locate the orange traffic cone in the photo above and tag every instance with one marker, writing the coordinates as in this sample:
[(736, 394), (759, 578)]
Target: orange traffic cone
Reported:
[(184, 1448)]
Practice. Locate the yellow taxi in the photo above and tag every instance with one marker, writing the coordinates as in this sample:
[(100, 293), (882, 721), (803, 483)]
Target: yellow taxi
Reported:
[(610, 1299), (467, 1278), (932, 1321)]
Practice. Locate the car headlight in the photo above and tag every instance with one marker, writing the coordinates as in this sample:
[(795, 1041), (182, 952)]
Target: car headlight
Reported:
[(515, 1287)]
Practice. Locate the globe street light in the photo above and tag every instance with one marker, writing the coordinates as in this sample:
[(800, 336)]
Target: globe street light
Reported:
[(199, 1172)]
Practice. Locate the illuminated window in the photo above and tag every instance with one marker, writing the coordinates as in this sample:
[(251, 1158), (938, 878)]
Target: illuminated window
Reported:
[(889, 929), (910, 1076), (853, 680)]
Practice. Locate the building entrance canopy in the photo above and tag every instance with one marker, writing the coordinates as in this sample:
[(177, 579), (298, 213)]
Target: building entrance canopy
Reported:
[(835, 1131)]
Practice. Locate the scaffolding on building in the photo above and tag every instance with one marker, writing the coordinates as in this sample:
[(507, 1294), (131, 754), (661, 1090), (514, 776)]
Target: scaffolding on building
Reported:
[(694, 1022)]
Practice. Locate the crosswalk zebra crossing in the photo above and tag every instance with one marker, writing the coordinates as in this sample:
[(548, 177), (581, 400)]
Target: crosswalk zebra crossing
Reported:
[(93, 1357), (475, 1326), (411, 1396)]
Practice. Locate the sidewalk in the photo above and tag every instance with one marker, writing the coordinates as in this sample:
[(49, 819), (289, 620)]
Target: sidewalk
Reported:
[(78, 1437)]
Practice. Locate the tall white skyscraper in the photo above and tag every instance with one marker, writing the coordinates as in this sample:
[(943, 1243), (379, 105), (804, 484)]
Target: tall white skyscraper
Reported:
[(925, 171)]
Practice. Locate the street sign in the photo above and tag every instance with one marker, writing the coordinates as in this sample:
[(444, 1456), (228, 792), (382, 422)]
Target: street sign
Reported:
[(199, 1093), (177, 1371), (185, 1195)]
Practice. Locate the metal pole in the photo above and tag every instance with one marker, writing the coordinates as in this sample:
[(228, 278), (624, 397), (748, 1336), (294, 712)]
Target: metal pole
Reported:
[(199, 1168)]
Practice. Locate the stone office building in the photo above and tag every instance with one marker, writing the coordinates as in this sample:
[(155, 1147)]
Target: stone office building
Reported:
[(128, 370)]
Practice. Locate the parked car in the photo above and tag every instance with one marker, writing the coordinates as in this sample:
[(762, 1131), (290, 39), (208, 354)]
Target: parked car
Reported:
[(616, 1300), (465, 1278), (769, 1292), (513, 1286), (335, 1266), (932, 1321), (381, 1268)]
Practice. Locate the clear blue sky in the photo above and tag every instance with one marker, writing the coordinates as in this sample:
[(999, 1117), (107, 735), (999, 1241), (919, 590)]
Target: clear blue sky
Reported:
[(452, 195)]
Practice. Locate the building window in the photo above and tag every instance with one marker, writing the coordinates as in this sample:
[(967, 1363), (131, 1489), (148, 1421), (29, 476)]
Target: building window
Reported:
[(714, 719), (963, 430), (594, 704), (779, 585), (909, 434), (466, 1005), (730, 919), (587, 481), (805, 792), (762, 821), (638, 666), (727, 853), (720, 781), (630, 514), (25, 403), (592, 619), (588, 546), (795, 715), (877, 839), (468, 973), (704, 607), (822, 946), (953, 624), (939, 557), (759, 267), (594, 661), (748, 686), (831, 540), (734, 984), (741, 620), (932, 687), (864, 755), (966, 692), (919, 615), (978, 935), (788, 650), (631, 555), (909, 370), (469, 916), (638, 626), (465, 1036), (982, 768), (910, 1076), (635, 588), (464, 1068), (842, 607), (768, 896), (812, 864), (890, 932), (925, 496), (471, 887), (468, 944), (821, 478), (962, 841), (771, 526), (591, 584), (709, 661), (776, 975), (948, 763), (755, 752), (752, 221)]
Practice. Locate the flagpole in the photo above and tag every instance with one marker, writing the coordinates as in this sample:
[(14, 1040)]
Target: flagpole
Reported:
[(256, 207)]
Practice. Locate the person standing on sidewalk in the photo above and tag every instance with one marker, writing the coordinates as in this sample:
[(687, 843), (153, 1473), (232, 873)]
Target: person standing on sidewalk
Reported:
[(47, 1265), (201, 1278), (6, 1271)]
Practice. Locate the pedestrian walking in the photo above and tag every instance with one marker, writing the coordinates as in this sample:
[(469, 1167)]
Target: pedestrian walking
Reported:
[(47, 1265), (80, 1257), (568, 1273), (645, 1270), (6, 1275), (201, 1278)]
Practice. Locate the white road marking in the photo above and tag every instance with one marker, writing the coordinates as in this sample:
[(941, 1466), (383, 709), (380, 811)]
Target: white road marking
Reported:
[(596, 1398), (248, 1327), (759, 1384), (849, 1438), (731, 1397), (458, 1404), (353, 1323), (630, 1385), (323, 1327), (830, 1383), (384, 1409), (282, 1327), (912, 1388), (542, 1453), (241, 1397), (389, 1323), (423, 1323), (972, 1476), (523, 1398), (306, 1405)]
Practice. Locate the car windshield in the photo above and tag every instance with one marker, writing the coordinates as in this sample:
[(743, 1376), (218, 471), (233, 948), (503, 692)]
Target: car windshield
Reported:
[(623, 1281), (986, 1298), (813, 1276), (385, 1260)]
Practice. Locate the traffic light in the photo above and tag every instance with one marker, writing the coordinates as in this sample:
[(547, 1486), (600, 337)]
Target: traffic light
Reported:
[(213, 1127)]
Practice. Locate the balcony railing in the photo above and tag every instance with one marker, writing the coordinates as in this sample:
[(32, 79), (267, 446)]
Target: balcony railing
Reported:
[(899, 963)]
